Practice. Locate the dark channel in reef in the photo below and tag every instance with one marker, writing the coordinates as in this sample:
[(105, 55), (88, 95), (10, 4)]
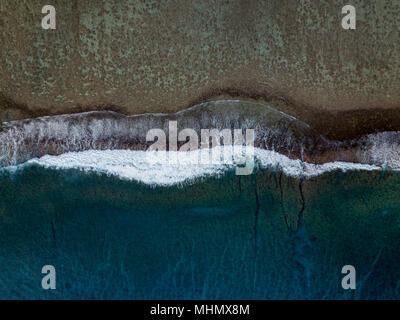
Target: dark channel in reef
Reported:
[(310, 90), (262, 236)]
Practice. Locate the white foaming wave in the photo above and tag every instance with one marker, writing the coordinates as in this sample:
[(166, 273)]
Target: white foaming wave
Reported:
[(384, 149), (131, 165), (297, 168), (142, 167)]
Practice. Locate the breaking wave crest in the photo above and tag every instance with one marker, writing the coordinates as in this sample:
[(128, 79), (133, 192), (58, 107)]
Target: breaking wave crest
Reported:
[(136, 166), (77, 140)]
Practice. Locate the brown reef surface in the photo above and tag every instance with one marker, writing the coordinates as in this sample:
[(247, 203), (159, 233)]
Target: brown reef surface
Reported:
[(163, 56)]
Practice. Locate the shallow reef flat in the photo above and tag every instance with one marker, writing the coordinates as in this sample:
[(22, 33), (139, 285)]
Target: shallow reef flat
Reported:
[(78, 191), (311, 106), (143, 56)]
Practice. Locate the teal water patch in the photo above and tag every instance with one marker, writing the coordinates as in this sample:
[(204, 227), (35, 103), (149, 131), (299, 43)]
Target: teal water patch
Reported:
[(263, 236)]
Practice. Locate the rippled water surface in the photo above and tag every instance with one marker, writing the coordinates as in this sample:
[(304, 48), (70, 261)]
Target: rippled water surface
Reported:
[(78, 192), (266, 235)]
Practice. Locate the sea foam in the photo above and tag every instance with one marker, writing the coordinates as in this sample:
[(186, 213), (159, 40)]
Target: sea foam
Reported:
[(142, 167), (22, 140)]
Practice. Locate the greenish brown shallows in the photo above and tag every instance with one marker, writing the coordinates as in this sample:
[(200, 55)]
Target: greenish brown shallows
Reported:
[(163, 56)]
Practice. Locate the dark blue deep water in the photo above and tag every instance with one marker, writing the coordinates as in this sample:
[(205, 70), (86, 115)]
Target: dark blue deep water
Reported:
[(264, 236)]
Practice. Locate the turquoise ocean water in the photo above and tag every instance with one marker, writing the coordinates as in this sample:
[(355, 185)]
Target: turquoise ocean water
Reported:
[(262, 236), (115, 226)]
